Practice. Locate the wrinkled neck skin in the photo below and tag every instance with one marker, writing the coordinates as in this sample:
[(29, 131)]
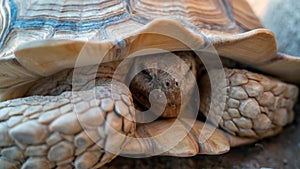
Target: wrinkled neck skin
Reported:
[(157, 81)]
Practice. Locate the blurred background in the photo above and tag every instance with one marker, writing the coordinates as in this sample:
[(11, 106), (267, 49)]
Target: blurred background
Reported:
[(283, 18)]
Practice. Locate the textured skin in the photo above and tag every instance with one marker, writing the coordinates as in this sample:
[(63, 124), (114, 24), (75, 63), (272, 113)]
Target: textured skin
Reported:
[(256, 106), (170, 81), (44, 131)]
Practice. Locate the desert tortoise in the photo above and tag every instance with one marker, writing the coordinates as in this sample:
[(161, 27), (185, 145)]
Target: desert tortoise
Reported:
[(55, 116)]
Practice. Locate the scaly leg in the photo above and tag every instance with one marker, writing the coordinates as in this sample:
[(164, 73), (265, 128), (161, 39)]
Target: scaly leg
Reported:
[(65, 130), (256, 106)]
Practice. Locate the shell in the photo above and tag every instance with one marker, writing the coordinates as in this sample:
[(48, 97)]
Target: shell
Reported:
[(40, 38)]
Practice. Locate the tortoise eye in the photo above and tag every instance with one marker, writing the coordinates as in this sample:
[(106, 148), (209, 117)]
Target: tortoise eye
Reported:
[(147, 74)]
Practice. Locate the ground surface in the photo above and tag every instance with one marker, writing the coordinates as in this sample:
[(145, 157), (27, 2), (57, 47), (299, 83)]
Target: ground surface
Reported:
[(279, 152)]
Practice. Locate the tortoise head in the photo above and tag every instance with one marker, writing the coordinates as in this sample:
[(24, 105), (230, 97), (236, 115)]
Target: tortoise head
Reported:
[(160, 81)]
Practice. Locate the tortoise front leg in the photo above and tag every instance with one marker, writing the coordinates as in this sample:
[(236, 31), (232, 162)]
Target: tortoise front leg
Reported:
[(70, 129), (256, 106), (174, 137)]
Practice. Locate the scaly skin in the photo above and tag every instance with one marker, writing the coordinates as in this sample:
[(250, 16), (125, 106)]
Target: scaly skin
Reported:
[(256, 106), (44, 131)]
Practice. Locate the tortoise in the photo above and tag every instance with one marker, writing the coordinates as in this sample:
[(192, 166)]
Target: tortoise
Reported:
[(65, 97)]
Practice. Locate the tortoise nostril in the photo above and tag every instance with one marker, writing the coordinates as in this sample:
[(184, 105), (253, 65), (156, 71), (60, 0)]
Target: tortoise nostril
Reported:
[(176, 83)]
